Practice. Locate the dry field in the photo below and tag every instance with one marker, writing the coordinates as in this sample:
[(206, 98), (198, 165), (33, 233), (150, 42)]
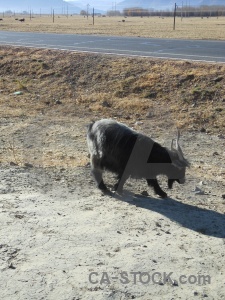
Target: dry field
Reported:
[(188, 28)]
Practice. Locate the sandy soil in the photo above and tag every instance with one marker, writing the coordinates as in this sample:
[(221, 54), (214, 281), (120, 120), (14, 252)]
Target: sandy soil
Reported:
[(57, 228)]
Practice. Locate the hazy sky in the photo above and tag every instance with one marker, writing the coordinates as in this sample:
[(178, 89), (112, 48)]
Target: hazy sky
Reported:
[(100, 2), (96, 3)]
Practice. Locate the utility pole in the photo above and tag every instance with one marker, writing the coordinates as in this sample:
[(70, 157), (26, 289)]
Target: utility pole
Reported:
[(93, 16), (87, 9), (182, 11), (189, 8), (53, 16), (186, 9), (174, 19)]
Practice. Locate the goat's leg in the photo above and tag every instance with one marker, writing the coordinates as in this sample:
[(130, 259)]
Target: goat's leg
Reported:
[(118, 187), (97, 174), (157, 189), (170, 183)]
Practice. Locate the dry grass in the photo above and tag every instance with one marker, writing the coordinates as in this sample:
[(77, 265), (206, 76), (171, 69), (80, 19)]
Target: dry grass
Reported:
[(193, 92), (57, 87), (188, 28)]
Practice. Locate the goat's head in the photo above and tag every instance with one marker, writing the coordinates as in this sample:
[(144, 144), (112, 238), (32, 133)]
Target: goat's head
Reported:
[(179, 163)]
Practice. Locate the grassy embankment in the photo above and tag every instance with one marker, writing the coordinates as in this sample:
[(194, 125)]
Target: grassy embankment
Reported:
[(192, 94)]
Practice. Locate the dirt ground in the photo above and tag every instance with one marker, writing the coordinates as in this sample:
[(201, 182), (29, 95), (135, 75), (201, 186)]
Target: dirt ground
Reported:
[(60, 238), (57, 228)]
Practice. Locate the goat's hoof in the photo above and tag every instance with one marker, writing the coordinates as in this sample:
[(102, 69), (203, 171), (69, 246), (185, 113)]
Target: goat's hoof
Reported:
[(117, 189), (119, 192), (106, 192), (163, 195), (102, 186)]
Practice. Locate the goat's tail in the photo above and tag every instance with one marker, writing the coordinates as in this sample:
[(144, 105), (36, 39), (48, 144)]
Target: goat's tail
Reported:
[(89, 126)]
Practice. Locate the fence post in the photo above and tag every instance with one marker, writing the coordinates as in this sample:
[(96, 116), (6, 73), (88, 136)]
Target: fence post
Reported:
[(174, 20)]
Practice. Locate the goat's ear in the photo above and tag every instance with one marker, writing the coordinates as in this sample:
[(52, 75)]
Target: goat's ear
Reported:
[(181, 163), (178, 164)]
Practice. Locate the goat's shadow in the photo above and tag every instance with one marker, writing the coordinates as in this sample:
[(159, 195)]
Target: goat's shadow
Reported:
[(204, 221)]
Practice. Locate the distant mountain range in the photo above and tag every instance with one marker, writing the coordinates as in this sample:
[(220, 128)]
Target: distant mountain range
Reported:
[(106, 5), (153, 4), (45, 6), (165, 4), (101, 6)]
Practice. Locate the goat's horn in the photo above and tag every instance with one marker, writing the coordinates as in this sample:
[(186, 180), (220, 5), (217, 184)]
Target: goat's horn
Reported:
[(176, 142), (178, 135), (172, 146), (178, 147)]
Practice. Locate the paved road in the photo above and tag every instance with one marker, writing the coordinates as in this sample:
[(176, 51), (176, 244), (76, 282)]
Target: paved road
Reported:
[(198, 50)]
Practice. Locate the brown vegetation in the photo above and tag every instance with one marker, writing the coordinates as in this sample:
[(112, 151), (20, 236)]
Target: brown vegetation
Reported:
[(158, 27), (62, 83), (181, 11)]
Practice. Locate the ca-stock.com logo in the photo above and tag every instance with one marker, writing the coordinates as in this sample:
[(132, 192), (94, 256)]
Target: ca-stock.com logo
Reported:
[(138, 277)]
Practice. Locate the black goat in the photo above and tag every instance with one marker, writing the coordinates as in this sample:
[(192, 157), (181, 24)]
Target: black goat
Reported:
[(127, 153)]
